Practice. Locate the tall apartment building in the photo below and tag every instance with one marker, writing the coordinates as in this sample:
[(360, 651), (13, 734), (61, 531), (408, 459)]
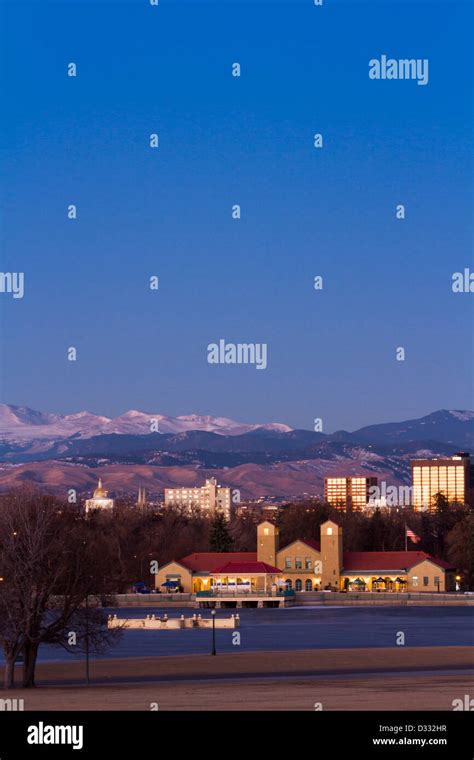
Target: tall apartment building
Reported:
[(209, 498), (348, 493), (451, 476)]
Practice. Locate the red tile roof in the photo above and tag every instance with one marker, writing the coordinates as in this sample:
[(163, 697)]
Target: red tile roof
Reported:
[(210, 560), (388, 560), (244, 568), (247, 562)]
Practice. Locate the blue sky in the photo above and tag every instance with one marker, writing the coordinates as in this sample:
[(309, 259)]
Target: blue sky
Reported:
[(305, 212)]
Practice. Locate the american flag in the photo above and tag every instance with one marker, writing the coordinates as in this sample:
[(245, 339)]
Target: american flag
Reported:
[(412, 536)]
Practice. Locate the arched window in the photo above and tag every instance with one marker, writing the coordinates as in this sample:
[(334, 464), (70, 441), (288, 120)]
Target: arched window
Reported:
[(289, 584), (308, 585), (298, 584)]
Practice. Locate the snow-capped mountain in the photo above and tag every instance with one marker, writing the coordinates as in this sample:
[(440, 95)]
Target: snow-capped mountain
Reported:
[(22, 424), (53, 449)]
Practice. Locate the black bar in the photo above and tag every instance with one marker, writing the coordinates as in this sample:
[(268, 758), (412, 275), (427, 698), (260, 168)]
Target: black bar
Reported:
[(364, 734)]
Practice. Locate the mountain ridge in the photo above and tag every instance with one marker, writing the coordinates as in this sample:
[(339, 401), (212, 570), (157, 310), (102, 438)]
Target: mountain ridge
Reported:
[(24, 423), (260, 461), (30, 423)]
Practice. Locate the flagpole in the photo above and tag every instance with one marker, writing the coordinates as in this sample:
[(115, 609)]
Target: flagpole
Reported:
[(406, 539)]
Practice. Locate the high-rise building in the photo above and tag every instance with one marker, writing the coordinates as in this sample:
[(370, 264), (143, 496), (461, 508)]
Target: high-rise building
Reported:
[(450, 476), (210, 498), (100, 500), (348, 493)]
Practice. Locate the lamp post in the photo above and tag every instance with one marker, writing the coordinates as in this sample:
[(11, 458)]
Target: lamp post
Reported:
[(89, 579), (213, 613)]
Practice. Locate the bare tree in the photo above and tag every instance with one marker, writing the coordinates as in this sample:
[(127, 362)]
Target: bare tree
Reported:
[(50, 562), (11, 631)]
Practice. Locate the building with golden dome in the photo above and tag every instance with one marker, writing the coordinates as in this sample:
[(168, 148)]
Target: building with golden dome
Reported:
[(100, 500)]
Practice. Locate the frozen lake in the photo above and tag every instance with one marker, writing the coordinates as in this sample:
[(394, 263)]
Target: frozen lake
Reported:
[(296, 628)]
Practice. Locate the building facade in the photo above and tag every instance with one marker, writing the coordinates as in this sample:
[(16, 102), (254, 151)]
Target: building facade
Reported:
[(306, 565), (450, 476), (348, 492), (209, 499)]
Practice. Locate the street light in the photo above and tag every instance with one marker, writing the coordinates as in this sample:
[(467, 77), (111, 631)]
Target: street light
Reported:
[(213, 613), (89, 578)]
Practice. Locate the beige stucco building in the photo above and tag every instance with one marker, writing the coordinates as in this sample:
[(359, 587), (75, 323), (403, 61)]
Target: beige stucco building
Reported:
[(306, 565)]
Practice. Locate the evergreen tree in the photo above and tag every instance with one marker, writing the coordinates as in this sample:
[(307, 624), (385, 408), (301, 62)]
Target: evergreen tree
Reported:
[(376, 532), (460, 541), (446, 515), (220, 539), (470, 552)]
